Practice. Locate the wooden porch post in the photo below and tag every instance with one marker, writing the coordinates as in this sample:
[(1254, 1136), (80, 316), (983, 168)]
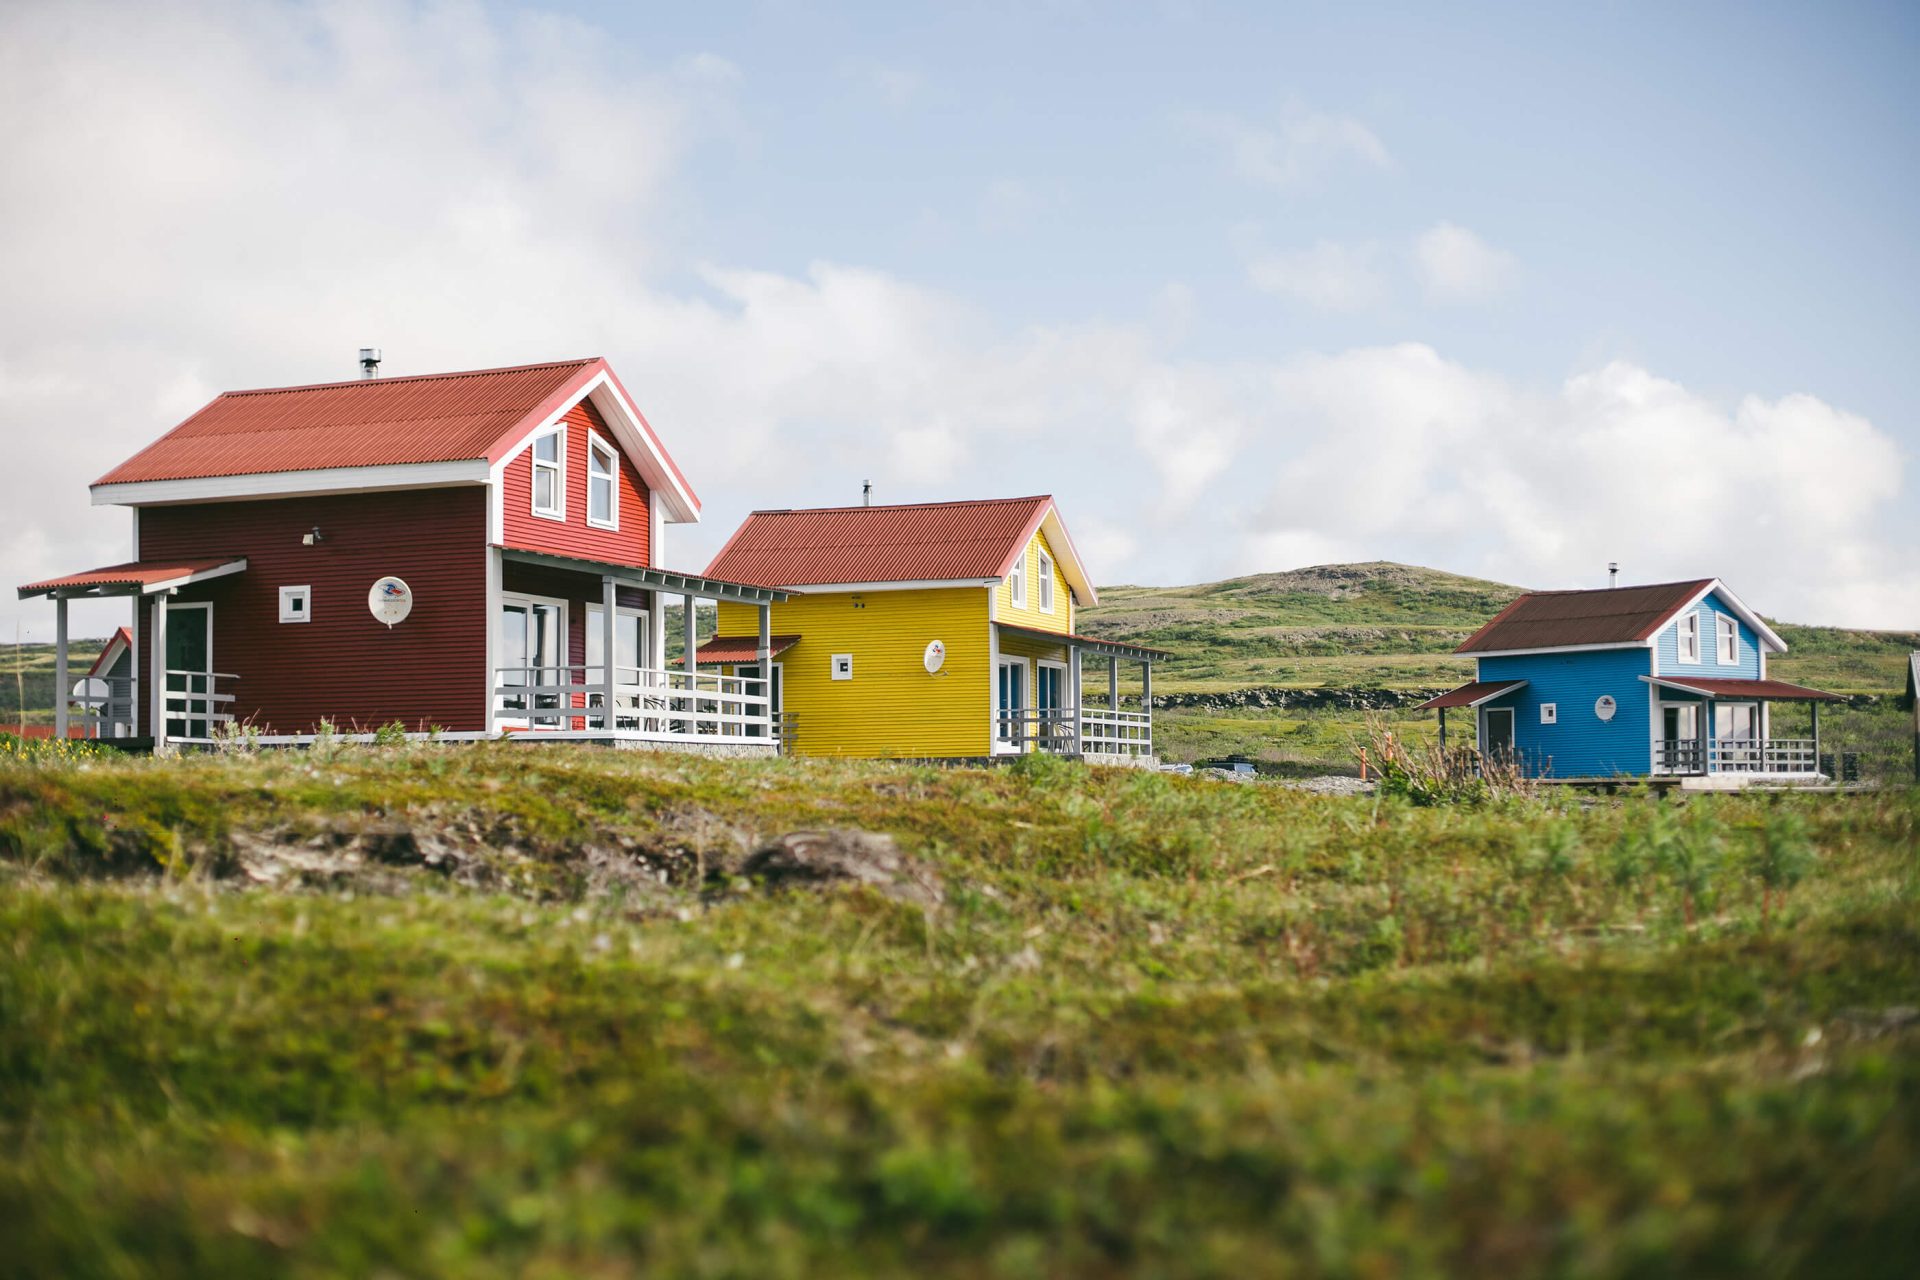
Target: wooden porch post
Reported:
[(1146, 698), (691, 660), (1816, 739), (1079, 702), (1705, 729), (763, 658), (59, 666), (1113, 683), (158, 697), (609, 602), (1443, 731)]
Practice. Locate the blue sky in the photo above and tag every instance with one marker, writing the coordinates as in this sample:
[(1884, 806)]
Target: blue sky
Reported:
[(1509, 290)]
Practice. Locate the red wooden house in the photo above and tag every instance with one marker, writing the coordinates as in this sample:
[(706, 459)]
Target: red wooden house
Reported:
[(472, 554)]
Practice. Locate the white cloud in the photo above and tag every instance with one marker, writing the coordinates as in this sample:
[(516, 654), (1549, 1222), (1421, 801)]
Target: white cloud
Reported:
[(1296, 152), (1455, 265), (288, 184), (1330, 275)]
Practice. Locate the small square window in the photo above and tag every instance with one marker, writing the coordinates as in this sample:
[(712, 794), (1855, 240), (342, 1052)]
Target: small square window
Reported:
[(843, 666), (296, 604), (1549, 713)]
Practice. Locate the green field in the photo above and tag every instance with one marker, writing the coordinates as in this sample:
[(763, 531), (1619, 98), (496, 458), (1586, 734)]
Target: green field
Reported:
[(1394, 626), (459, 1011)]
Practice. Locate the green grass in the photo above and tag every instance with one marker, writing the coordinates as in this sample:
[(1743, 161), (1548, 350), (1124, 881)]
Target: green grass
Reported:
[(1394, 626), (1159, 1026)]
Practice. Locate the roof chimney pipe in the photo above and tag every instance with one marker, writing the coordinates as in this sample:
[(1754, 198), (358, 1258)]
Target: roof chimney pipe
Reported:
[(1613, 573), (369, 362), (866, 493)]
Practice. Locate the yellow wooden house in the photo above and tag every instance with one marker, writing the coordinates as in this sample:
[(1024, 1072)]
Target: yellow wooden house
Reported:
[(929, 631)]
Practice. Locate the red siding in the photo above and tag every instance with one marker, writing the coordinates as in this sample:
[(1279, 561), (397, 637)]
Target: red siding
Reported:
[(574, 536), (343, 666)]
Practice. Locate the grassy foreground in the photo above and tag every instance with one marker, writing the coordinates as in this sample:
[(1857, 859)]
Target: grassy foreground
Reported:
[(1158, 1026)]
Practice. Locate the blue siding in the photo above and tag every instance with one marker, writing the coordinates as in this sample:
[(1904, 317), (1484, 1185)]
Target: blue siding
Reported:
[(1667, 646), (1580, 744)]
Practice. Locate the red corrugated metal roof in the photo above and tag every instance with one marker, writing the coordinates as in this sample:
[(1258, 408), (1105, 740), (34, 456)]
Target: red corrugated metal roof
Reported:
[(1471, 694), (442, 417), (741, 648), (137, 573), (122, 636), (1562, 619), (918, 542), (1768, 690)]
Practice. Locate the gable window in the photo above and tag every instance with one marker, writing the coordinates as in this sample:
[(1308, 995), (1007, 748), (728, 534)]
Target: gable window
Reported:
[(1046, 583), (603, 490), (1726, 639), (1690, 638), (549, 475), (1017, 583)]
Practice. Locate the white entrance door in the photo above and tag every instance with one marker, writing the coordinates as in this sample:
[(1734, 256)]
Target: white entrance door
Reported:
[(533, 634), (1011, 699), (190, 671)]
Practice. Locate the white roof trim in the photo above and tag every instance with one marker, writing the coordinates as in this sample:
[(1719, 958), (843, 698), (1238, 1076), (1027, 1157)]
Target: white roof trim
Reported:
[(1066, 556), (287, 484), (1557, 648), (828, 588), (630, 433), (1506, 687), (1766, 633)]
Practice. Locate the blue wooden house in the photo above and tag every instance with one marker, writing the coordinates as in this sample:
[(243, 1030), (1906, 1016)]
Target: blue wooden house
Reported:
[(1632, 681)]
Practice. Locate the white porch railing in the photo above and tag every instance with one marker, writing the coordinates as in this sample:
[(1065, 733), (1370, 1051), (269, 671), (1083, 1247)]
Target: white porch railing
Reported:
[(193, 705), (1738, 755), (103, 707), (1069, 732), (649, 703)]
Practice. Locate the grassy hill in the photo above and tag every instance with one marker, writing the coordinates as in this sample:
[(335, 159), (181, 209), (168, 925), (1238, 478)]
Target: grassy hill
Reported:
[(487, 1011), (1392, 626)]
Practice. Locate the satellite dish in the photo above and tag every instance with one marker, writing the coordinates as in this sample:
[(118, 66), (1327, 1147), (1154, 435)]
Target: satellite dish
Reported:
[(1604, 706), (92, 689), (390, 600), (935, 657)]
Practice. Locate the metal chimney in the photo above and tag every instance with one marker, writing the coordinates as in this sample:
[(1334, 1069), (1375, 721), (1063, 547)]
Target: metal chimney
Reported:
[(866, 493), (1613, 573), (369, 362)]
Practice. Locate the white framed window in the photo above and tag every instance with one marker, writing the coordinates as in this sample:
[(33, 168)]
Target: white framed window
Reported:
[(550, 475), (1690, 638), (1046, 583), (603, 484), (1726, 639), (296, 604), (1017, 583)]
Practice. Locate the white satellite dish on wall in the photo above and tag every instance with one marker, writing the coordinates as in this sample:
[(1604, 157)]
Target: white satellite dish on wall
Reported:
[(390, 600), (935, 657)]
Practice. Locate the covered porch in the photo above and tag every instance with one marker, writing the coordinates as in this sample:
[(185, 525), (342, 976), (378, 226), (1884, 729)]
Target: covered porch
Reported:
[(181, 699), (1042, 701), (1705, 727), (579, 651)]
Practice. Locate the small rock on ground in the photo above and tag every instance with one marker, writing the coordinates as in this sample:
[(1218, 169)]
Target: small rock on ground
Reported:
[(821, 859)]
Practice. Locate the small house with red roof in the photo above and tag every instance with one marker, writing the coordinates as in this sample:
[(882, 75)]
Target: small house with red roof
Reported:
[(940, 630), (1667, 679), (472, 554)]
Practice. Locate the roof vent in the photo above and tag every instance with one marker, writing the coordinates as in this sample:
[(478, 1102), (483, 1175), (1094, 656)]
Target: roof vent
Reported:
[(369, 362), (1613, 573), (866, 493)]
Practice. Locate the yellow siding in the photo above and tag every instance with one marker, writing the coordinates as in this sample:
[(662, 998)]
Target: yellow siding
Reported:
[(892, 706), (1061, 619)]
